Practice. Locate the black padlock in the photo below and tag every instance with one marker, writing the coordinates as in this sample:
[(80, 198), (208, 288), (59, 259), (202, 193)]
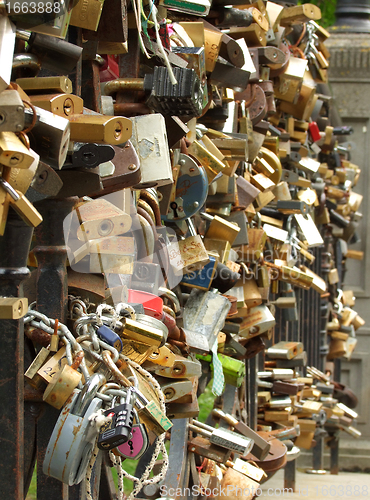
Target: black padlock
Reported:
[(55, 54), (182, 99), (224, 279), (118, 430), (90, 155)]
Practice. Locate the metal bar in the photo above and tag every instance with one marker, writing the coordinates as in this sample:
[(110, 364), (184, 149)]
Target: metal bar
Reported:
[(14, 248), (52, 297), (318, 455), (334, 455), (251, 391), (290, 475), (107, 487), (178, 454)]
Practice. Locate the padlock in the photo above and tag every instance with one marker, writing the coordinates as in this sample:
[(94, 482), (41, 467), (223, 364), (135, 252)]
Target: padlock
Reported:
[(176, 390), (11, 111), (227, 75), (202, 278), (260, 448), (275, 233), (114, 254), (99, 128), (55, 54), (141, 337), (49, 137), (252, 295), (284, 350), (256, 242), (21, 205), (197, 61), (73, 439), (86, 15), (149, 138), (13, 307), (247, 193), (31, 375), (189, 192), (256, 321), (100, 218), (136, 445), (46, 85), (58, 104), (13, 153), (118, 428), (203, 447), (220, 229), (88, 155), (200, 313), (189, 254), (63, 383), (152, 416), (183, 99), (223, 437), (212, 165), (181, 368)]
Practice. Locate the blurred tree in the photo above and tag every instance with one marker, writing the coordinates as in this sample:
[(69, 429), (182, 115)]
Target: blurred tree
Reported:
[(327, 11)]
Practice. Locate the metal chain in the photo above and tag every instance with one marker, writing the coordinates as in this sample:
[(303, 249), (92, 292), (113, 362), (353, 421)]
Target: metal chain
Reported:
[(43, 322)]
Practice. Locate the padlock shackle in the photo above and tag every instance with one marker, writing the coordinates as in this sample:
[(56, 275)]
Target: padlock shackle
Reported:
[(87, 394), (122, 84)]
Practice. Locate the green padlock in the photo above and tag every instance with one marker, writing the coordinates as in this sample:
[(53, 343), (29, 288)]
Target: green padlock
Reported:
[(234, 369)]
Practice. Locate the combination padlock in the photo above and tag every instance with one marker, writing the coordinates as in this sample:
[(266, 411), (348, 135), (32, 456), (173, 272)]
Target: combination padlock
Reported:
[(118, 429)]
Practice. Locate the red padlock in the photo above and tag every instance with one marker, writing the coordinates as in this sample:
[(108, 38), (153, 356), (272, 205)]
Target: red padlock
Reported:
[(314, 131), (110, 69)]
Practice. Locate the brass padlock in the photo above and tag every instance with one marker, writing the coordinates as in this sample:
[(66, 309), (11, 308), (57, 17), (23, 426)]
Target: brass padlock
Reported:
[(100, 218), (87, 14), (45, 85), (13, 153), (256, 243), (63, 383), (100, 129), (13, 307), (59, 104), (252, 295)]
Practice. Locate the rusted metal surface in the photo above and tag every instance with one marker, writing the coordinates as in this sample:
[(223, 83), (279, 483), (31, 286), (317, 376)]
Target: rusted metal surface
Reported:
[(14, 248), (254, 95), (37, 335), (131, 109), (277, 457), (90, 89), (129, 66), (127, 171)]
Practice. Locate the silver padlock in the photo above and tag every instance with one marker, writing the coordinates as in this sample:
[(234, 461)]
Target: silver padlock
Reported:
[(73, 439), (11, 111), (49, 137), (7, 40)]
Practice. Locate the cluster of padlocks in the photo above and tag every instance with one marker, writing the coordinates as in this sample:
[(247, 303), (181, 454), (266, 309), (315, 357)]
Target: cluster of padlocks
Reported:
[(184, 177)]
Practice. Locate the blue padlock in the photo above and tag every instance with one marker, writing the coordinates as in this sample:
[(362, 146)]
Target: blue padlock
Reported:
[(110, 337)]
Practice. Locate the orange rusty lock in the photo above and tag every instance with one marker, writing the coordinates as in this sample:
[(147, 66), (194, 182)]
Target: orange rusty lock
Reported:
[(63, 383)]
